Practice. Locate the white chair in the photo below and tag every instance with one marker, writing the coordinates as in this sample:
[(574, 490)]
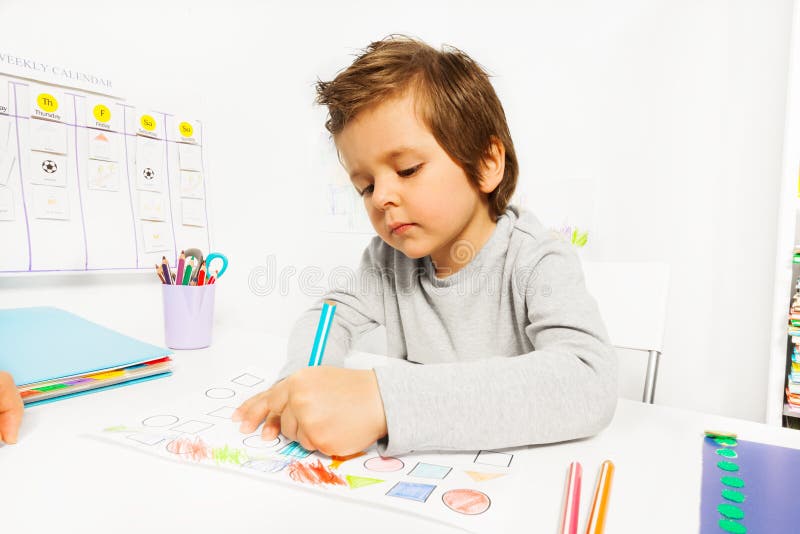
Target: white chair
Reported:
[(632, 297)]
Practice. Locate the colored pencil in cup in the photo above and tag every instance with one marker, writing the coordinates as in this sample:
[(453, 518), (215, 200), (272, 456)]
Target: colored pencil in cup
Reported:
[(181, 266), (213, 277), (165, 269), (572, 500), (602, 491), (323, 328), (187, 275), (160, 274), (201, 276)]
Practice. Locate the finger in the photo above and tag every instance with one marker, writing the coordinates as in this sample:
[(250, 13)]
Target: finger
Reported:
[(304, 441), (9, 426), (272, 426), (254, 413), (238, 413), (289, 424), (11, 408)]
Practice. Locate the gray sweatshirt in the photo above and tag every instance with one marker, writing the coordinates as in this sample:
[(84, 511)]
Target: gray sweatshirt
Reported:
[(512, 347)]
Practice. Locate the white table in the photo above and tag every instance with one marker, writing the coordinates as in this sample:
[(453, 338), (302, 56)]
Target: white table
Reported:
[(57, 480)]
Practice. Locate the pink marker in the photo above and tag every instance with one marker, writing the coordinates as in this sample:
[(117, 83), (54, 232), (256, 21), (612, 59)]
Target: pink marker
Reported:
[(572, 500)]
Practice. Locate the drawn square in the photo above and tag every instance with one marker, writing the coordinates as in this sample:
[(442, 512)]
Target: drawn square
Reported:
[(192, 427), (223, 413), (499, 459), (247, 380), (412, 491), (146, 439), (47, 136), (423, 470), (294, 450)]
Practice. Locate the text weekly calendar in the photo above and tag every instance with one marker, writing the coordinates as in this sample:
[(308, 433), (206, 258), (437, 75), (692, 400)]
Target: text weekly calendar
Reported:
[(89, 182)]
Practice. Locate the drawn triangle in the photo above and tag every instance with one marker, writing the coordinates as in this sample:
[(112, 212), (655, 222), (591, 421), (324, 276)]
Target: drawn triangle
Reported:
[(359, 482), (101, 137), (480, 477)]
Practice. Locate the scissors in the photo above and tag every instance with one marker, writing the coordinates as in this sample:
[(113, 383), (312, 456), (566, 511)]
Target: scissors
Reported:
[(197, 254)]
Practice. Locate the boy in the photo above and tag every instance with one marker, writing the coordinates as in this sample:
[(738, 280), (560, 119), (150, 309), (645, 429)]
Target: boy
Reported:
[(514, 349), (10, 409)]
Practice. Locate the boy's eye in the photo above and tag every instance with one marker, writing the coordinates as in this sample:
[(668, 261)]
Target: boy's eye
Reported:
[(367, 190), (405, 173)]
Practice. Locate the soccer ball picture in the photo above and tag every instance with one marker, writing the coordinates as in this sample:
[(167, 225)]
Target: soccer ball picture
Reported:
[(49, 166), (149, 173)]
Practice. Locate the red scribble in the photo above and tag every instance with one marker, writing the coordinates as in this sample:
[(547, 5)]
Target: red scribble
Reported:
[(196, 450), (315, 473)]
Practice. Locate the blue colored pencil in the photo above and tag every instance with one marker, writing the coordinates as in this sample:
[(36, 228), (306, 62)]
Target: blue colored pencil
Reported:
[(323, 328)]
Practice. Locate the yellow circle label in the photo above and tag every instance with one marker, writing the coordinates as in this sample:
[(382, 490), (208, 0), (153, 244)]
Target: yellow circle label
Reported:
[(148, 123), (47, 102), (186, 129), (101, 113)]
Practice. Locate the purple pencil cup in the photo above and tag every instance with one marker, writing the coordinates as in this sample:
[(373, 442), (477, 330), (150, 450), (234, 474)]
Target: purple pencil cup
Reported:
[(188, 316)]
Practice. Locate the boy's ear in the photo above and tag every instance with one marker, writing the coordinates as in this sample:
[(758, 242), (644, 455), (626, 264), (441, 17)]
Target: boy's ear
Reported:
[(493, 166)]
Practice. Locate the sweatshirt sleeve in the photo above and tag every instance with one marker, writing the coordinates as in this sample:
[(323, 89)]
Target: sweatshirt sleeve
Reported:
[(566, 388), (359, 309)]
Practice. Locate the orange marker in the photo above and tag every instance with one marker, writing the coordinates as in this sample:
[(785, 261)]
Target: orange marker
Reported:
[(602, 492)]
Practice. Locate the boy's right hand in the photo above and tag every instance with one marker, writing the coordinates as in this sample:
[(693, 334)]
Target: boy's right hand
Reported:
[(10, 409)]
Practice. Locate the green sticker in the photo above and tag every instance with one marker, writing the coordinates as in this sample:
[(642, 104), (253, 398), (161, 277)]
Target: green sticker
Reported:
[(730, 511), (734, 482), (728, 453), (727, 466), (733, 495), (732, 526), (728, 442)]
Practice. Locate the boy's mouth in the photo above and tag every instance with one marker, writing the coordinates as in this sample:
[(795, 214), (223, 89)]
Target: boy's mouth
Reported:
[(400, 227)]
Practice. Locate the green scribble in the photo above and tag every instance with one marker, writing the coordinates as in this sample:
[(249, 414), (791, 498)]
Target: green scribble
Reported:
[(118, 428), (227, 455)]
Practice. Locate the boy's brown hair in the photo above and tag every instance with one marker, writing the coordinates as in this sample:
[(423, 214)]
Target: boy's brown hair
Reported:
[(454, 96)]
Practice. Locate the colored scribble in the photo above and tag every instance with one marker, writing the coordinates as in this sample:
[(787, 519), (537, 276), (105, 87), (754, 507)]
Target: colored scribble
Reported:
[(314, 473), (228, 455), (196, 449), (118, 428), (336, 461)]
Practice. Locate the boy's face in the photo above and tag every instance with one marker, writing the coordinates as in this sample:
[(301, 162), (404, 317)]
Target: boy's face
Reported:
[(419, 200)]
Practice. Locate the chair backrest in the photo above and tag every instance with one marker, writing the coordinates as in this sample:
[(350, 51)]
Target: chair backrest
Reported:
[(632, 297)]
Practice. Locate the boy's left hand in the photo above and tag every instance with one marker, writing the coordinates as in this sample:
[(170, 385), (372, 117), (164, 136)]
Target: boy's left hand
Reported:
[(333, 410)]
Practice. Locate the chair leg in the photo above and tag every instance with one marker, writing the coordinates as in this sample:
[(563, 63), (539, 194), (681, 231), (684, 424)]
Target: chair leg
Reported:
[(650, 380)]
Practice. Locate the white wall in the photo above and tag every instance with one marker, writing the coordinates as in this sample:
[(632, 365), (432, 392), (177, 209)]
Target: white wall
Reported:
[(663, 117)]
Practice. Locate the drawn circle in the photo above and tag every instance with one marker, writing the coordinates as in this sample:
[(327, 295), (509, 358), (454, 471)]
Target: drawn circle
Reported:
[(101, 113), (47, 102), (384, 464), (255, 442), (148, 123), (220, 393), (160, 420), (49, 166), (466, 501), (186, 129)]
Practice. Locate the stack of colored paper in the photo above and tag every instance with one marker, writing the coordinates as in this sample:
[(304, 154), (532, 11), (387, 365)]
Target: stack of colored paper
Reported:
[(793, 380), (53, 354)]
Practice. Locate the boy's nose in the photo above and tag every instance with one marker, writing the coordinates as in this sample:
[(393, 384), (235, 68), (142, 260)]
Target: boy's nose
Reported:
[(384, 195)]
